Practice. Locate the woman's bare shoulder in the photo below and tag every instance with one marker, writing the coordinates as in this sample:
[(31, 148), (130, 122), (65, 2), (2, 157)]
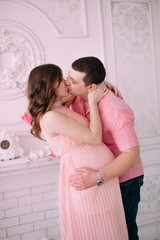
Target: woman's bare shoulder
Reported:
[(52, 121), (49, 117)]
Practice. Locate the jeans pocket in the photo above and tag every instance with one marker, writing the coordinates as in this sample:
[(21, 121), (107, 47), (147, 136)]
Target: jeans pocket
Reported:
[(131, 189), (141, 181)]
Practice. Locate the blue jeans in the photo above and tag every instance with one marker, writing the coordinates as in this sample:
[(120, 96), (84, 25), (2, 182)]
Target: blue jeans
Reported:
[(130, 191)]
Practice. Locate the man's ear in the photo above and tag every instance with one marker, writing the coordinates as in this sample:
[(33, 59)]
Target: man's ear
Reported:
[(92, 87)]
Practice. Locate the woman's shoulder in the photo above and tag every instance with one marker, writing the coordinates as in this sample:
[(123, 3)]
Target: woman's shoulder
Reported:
[(50, 117), (51, 121)]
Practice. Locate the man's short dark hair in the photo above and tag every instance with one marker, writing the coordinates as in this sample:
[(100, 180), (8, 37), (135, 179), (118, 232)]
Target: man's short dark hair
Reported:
[(92, 67)]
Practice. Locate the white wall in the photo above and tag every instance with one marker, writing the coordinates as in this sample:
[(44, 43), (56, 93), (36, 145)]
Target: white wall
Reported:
[(125, 35), (28, 200)]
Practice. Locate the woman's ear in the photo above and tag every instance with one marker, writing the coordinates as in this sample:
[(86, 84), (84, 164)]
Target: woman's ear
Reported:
[(92, 87)]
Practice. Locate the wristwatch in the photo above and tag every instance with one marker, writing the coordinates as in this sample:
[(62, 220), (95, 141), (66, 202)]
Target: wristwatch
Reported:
[(99, 179)]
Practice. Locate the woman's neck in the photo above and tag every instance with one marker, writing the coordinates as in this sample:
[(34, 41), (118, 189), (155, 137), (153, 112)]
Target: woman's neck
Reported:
[(57, 104)]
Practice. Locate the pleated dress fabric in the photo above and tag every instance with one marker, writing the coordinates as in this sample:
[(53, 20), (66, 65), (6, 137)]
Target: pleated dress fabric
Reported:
[(95, 213)]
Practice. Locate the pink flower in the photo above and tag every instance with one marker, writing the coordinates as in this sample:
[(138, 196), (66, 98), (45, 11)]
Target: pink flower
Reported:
[(52, 155), (27, 118)]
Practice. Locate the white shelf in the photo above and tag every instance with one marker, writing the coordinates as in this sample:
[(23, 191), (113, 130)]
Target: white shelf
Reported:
[(23, 165)]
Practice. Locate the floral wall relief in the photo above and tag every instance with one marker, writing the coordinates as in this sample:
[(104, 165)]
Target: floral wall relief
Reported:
[(135, 67), (67, 16), (20, 51)]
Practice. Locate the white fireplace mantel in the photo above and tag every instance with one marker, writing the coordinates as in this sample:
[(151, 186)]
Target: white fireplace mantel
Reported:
[(24, 165)]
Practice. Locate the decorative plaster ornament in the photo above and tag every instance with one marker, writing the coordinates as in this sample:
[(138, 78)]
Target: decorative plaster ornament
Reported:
[(20, 51), (9, 146)]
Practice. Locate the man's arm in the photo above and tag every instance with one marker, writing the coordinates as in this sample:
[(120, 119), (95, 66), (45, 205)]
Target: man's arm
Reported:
[(86, 177)]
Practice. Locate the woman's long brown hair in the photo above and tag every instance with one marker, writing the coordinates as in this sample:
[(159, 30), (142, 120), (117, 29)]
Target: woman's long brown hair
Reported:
[(41, 95)]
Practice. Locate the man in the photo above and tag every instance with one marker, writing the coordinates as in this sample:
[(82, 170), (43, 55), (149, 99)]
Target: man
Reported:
[(118, 134)]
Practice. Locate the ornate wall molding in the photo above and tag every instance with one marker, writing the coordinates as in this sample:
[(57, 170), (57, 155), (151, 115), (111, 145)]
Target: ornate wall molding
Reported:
[(20, 51), (22, 166), (149, 214), (135, 60), (67, 18)]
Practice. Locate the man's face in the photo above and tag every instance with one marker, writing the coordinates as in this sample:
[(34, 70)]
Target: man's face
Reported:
[(75, 83)]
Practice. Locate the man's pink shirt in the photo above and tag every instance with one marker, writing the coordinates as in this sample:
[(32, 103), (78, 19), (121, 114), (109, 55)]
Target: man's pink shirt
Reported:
[(118, 128)]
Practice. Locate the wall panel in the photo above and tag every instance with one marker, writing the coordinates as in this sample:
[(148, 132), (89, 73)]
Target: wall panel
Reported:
[(133, 40)]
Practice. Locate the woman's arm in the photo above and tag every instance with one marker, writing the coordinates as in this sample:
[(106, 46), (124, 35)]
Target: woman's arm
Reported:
[(69, 99), (114, 89), (55, 122)]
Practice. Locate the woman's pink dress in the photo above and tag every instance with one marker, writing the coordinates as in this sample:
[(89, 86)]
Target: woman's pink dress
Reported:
[(95, 213)]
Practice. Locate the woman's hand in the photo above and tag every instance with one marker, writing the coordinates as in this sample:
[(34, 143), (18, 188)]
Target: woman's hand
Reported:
[(94, 96), (114, 89)]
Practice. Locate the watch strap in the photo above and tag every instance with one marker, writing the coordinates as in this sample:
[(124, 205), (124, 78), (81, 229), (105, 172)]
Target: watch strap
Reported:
[(99, 179)]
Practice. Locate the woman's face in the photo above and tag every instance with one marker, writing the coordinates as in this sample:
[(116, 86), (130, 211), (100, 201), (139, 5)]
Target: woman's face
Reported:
[(61, 91)]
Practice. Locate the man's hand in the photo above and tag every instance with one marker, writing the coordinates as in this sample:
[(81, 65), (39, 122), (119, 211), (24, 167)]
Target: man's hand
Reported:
[(83, 178)]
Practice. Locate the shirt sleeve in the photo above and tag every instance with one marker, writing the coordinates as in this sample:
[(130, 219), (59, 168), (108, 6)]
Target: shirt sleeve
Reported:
[(124, 132), (118, 123)]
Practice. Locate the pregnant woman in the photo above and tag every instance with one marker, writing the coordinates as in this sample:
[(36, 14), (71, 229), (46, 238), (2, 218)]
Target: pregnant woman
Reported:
[(96, 213)]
